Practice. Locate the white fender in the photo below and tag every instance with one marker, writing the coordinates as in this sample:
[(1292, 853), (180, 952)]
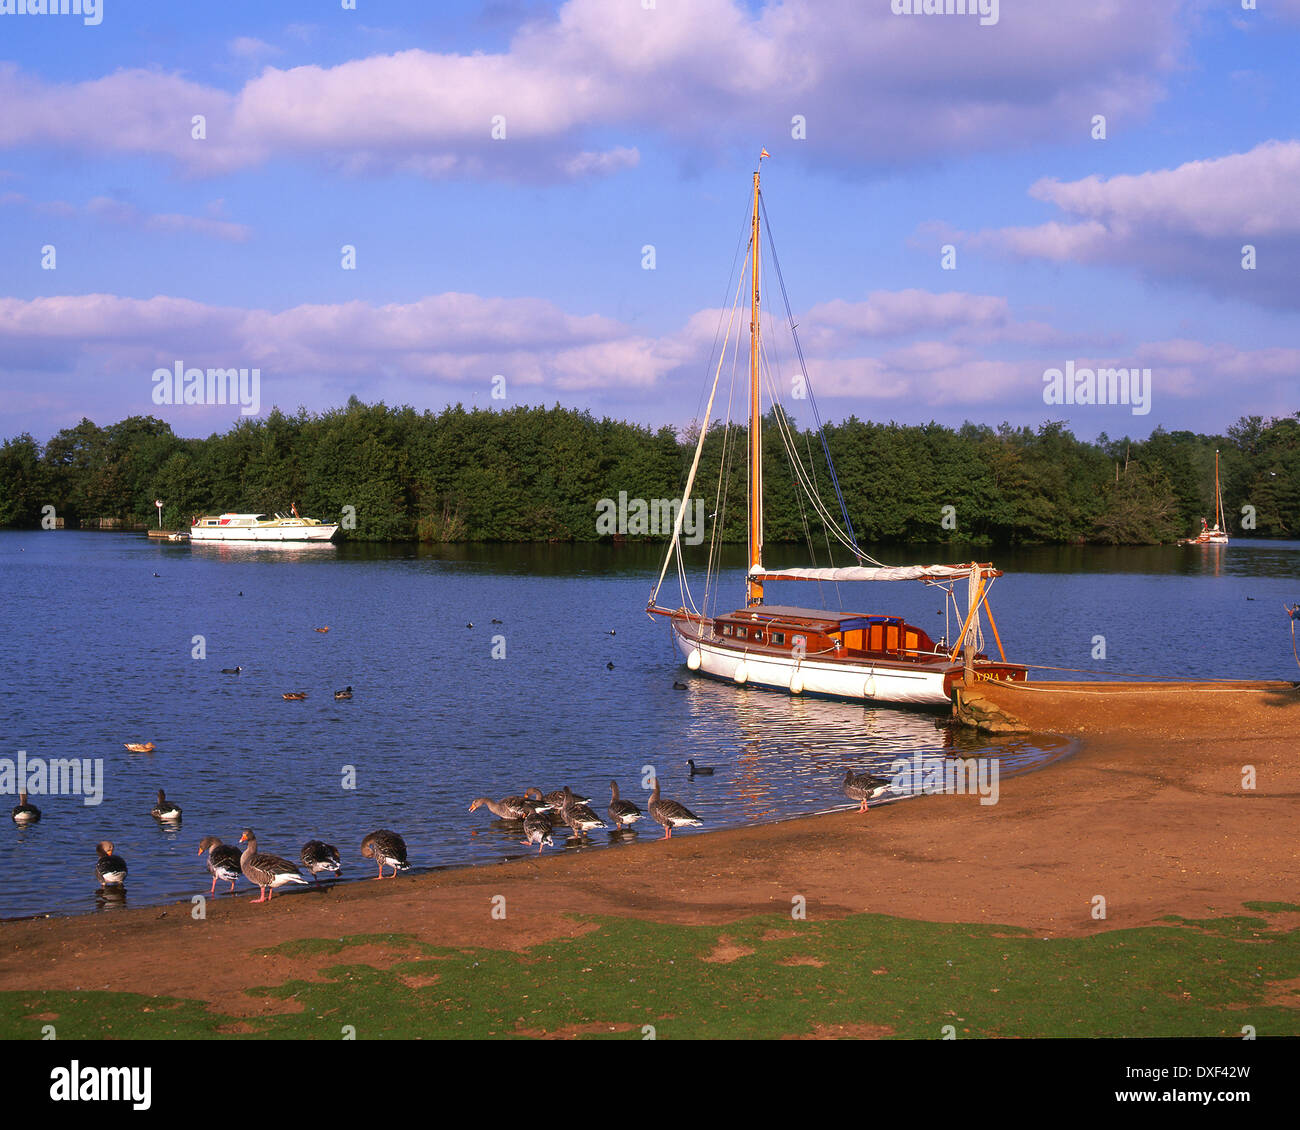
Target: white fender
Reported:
[(869, 687), (796, 682), (741, 673), (693, 660)]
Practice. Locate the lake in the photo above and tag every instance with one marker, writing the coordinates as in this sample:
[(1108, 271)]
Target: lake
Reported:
[(100, 652)]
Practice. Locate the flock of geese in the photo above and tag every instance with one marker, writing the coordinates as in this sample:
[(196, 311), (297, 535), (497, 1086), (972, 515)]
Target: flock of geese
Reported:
[(538, 813)]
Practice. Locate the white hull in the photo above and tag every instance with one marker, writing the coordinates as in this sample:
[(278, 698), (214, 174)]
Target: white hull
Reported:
[(864, 682), (257, 534)]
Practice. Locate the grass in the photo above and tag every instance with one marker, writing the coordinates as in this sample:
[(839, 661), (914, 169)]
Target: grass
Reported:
[(767, 977)]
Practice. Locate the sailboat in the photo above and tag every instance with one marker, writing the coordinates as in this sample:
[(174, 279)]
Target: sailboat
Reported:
[(860, 656), (1216, 534)]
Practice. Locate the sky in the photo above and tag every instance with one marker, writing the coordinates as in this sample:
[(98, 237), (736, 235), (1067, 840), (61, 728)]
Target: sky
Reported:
[(545, 203)]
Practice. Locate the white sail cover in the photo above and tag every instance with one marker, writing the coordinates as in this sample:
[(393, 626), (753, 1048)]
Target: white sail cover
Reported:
[(873, 573)]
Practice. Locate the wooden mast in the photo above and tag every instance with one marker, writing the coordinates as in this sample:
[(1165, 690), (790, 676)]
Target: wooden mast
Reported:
[(754, 588), (1218, 498)]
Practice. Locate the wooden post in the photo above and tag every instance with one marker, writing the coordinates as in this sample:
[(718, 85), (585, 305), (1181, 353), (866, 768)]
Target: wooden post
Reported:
[(974, 590)]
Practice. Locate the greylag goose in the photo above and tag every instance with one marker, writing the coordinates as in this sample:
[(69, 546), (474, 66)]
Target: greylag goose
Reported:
[(318, 856), (511, 807), (556, 799), (165, 810), (266, 870), (700, 770), (223, 861), (863, 787), (670, 813), (385, 848), (25, 813), (110, 868), (577, 815), (622, 812), (537, 830)]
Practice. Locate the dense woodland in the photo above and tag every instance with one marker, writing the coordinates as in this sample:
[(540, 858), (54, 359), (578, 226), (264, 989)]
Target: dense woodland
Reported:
[(537, 474)]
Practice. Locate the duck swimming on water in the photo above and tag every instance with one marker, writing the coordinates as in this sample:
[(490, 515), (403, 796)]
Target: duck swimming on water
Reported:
[(165, 810)]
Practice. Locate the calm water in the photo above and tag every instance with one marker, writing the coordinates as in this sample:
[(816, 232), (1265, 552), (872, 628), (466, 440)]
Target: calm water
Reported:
[(99, 652)]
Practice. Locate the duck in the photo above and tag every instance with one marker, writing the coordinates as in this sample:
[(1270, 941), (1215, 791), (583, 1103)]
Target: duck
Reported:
[(25, 813), (165, 810), (223, 861), (622, 812), (231, 670), (345, 693), (679, 686), (670, 813), (385, 848), (609, 666), (324, 629), (110, 868), (294, 696), (699, 770), (496, 621), (577, 815), (863, 787), (537, 830), (139, 747), (266, 870), (318, 856)]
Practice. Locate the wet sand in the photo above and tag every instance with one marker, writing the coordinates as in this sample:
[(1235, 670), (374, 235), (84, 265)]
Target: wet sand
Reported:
[(1150, 812)]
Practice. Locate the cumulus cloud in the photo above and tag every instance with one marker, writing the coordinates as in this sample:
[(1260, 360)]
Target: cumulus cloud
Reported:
[(868, 86), (1191, 223)]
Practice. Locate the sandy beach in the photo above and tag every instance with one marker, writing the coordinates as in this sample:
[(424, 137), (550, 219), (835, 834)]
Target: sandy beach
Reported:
[(1149, 813)]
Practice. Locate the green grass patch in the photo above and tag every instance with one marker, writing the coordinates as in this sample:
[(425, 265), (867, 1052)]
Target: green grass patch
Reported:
[(1270, 907), (759, 978)]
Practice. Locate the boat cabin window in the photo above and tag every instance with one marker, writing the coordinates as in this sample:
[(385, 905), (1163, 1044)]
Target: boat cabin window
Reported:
[(778, 637), (757, 637), (742, 633), (727, 629)]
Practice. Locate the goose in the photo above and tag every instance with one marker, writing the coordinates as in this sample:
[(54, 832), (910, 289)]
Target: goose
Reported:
[(622, 812), (223, 861), (577, 815), (346, 692), (385, 848), (556, 799), (511, 807), (294, 696), (700, 770), (537, 830), (231, 670), (318, 856), (266, 870), (670, 813), (25, 813), (863, 787), (110, 868), (139, 747), (165, 810)]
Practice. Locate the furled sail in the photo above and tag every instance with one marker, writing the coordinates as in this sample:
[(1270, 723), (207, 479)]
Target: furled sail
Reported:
[(877, 573)]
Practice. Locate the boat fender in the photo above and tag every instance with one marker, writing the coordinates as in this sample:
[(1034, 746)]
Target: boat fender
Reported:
[(796, 683), (741, 673), (693, 660), (869, 687)]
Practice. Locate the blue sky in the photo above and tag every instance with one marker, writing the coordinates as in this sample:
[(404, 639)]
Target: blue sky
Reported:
[(627, 126)]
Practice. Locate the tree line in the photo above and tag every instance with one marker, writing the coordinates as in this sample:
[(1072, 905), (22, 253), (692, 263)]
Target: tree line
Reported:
[(538, 474)]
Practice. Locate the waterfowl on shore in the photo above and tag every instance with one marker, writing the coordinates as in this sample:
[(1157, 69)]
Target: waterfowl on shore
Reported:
[(231, 670), (110, 868), (345, 693), (513, 807), (670, 813), (266, 870), (25, 813), (623, 813), (318, 856), (165, 810), (223, 861), (537, 830), (294, 696), (863, 787), (387, 849), (139, 747), (699, 770), (578, 815)]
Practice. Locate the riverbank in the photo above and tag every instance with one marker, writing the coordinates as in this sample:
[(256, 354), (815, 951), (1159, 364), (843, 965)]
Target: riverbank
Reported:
[(1151, 817)]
